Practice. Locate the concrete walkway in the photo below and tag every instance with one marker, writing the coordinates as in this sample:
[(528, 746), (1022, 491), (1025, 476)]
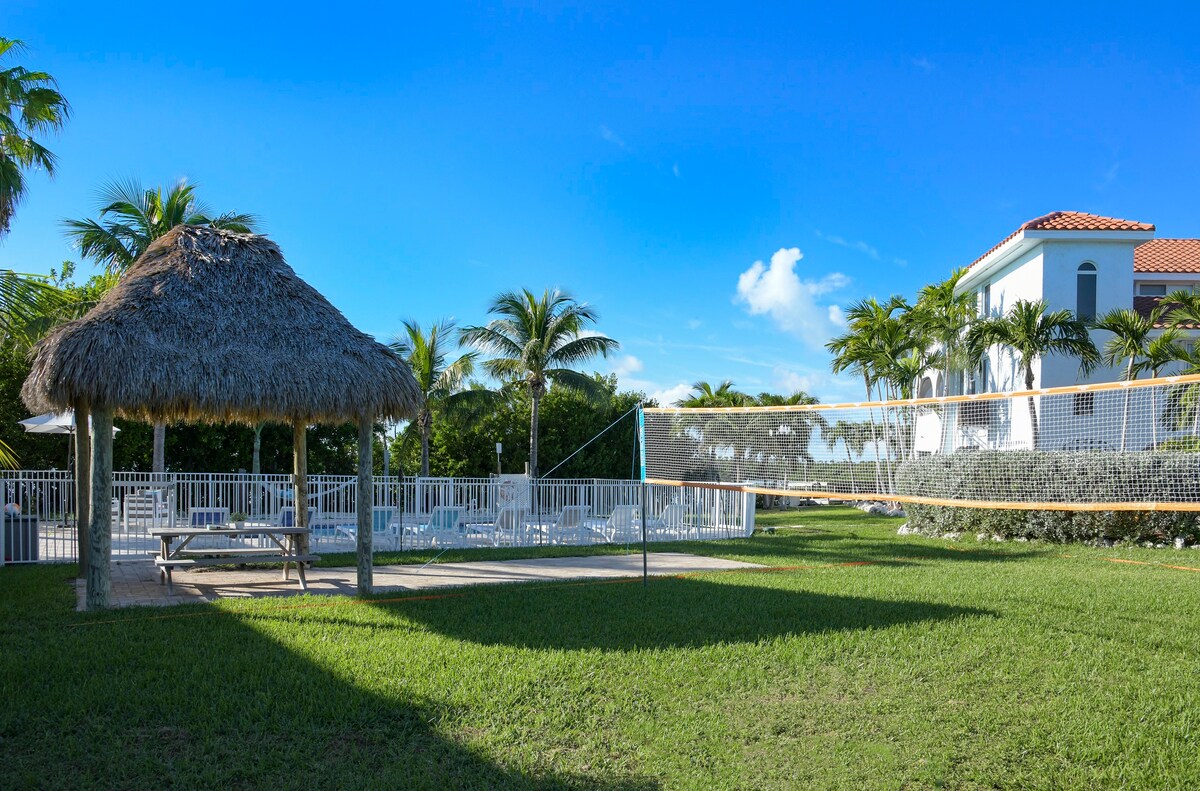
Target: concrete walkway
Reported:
[(136, 583)]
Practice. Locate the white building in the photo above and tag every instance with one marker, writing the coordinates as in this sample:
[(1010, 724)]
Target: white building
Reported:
[(1090, 265)]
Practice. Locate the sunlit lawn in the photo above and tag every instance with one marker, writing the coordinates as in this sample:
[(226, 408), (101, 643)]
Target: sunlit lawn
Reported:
[(873, 661)]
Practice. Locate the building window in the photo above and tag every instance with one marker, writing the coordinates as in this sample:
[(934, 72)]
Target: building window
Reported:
[(986, 300), (1085, 403), (1085, 292), (1152, 289)]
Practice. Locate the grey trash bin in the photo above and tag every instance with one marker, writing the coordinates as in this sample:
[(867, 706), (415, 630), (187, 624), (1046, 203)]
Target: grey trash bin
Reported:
[(20, 538)]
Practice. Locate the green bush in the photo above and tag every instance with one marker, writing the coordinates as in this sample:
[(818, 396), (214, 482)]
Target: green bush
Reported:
[(1042, 476)]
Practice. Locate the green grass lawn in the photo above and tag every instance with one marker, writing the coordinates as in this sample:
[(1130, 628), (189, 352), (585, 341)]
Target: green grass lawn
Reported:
[(875, 661)]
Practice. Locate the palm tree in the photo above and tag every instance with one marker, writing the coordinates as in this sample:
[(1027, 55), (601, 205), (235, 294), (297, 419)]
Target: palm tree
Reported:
[(537, 340), (443, 385), (859, 350), (1030, 333), (30, 105), (854, 437), (705, 395), (791, 431), (1130, 333), (131, 217), (944, 317), (1161, 351)]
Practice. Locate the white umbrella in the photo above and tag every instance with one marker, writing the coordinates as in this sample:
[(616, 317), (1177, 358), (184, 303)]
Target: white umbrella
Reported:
[(56, 423)]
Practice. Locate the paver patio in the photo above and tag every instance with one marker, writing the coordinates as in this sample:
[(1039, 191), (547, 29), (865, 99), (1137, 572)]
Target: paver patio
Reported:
[(136, 582)]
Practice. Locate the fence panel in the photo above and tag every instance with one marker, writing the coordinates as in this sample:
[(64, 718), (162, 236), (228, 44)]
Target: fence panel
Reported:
[(556, 511)]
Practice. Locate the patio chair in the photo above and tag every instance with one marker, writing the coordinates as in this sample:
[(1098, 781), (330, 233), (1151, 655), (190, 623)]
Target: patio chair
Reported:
[(671, 523), (287, 516), (571, 526), (208, 518), (509, 528), (623, 525), (145, 510), (444, 528), (384, 524)]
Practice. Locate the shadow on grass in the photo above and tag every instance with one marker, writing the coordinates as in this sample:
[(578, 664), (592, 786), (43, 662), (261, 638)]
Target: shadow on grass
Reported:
[(668, 613), (138, 699)]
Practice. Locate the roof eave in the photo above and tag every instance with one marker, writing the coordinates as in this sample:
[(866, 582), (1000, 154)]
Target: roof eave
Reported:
[(1026, 240)]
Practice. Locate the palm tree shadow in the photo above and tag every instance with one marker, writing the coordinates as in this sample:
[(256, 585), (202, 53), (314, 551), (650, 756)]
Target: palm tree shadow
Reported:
[(669, 613), (208, 700)]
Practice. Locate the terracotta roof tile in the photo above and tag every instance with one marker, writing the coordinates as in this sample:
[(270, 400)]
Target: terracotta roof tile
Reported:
[(1144, 306), (1168, 256), (1071, 221)]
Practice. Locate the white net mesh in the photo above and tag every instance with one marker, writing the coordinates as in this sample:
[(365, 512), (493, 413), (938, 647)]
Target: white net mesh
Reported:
[(1114, 446)]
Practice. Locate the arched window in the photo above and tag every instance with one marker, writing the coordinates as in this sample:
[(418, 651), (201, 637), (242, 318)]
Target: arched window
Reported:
[(1085, 291), (925, 390)]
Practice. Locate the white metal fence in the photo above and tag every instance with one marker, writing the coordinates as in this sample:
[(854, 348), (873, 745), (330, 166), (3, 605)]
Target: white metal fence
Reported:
[(39, 523)]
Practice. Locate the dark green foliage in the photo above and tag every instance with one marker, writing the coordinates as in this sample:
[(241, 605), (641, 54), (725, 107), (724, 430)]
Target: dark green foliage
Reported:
[(568, 420), (1034, 476)]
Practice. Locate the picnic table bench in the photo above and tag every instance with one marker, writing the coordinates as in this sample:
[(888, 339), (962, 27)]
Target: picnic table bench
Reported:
[(284, 548)]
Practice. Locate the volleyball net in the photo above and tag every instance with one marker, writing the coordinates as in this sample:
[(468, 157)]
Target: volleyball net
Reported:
[(1114, 446)]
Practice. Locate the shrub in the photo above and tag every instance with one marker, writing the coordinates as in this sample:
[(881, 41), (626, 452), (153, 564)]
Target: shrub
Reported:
[(1041, 476)]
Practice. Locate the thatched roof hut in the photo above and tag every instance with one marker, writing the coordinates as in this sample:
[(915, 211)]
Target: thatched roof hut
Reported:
[(213, 325)]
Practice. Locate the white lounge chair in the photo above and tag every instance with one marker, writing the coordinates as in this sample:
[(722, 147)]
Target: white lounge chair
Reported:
[(623, 525), (145, 510), (509, 528), (287, 516), (671, 523), (571, 526), (443, 528), (384, 526)]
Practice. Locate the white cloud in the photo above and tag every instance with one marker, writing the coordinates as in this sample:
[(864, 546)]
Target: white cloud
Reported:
[(627, 365), (791, 302), (924, 64), (694, 324), (668, 396), (831, 389), (842, 241), (675, 169), (611, 136)]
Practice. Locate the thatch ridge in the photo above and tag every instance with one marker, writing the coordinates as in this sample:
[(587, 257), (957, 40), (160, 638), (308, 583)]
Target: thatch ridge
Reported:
[(214, 325)]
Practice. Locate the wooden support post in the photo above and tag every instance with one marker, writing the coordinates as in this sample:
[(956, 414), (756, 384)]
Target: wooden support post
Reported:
[(100, 526), (366, 521), (300, 476), (83, 484)]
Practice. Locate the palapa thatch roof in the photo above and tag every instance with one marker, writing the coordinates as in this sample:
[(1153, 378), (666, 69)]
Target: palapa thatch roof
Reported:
[(213, 325)]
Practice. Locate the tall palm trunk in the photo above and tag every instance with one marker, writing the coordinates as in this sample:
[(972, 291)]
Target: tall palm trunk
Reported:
[(1125, 407), (426, 419), (158, 461), (256, 457), (533, 435), (874, 440), (1033, 418)]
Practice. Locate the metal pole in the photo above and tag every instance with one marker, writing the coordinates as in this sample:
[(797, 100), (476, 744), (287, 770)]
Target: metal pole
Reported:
[(641, 440)]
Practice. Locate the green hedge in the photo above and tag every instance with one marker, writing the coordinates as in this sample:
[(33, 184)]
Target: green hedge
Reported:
[(1039, 476)]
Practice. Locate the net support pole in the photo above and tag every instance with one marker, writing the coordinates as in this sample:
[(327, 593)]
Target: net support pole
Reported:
[(641, 439)]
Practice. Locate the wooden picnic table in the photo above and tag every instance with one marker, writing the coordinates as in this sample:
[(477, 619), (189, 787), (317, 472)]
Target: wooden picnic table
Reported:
[(285, 549)]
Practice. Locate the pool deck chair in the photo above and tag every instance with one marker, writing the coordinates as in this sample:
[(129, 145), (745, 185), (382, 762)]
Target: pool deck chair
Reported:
[(510, 529), (287, 516), (145, 510), (623, 525), (444, 528), (671, 522), (571, 526), (208, 517), (385, 526)]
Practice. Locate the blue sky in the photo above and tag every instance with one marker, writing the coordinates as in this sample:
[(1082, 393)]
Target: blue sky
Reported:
[(412, 163)]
